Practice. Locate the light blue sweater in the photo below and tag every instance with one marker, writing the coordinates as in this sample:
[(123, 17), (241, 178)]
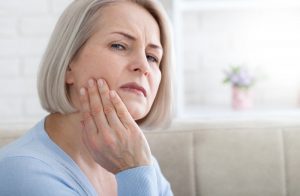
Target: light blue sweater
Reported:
[(34, 165)]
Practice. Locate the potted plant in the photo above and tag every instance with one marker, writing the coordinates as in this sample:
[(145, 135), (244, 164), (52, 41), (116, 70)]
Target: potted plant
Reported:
[(241, 82)]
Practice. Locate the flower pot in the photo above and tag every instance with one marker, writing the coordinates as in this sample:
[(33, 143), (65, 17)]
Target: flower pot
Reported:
[(241, 98)]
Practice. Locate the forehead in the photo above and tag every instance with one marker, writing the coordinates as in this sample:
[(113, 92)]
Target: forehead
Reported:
[(130, 17)]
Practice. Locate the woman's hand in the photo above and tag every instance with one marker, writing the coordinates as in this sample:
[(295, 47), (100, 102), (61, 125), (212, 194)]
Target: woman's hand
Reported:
[(111, 135)]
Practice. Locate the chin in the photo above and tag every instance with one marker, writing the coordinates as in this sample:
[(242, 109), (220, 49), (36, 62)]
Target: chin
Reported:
[(136, 111), (138, 108)]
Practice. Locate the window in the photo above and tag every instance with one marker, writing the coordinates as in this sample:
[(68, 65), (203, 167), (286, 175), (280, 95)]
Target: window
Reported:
[(211, 35)]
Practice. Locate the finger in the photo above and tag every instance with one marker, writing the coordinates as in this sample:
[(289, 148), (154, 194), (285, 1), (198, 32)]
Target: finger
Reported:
[(96, 107), (122, 112), (89, 126), (108, 108)]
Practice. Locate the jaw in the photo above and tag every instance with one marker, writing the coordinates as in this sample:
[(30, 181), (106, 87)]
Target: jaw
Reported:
[(136, 109)]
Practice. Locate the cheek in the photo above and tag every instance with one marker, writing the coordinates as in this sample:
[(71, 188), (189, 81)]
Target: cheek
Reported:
[(91, 63), (94, 72), (82, 76)]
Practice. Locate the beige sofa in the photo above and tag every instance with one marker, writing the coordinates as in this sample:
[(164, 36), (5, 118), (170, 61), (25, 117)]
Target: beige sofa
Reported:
[(239, 159)]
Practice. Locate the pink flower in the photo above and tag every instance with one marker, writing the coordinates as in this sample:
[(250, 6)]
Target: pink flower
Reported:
[(239, 76)]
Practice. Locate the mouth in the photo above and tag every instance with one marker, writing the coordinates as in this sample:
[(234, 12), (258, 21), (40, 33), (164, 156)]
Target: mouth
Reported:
[(134, 87)]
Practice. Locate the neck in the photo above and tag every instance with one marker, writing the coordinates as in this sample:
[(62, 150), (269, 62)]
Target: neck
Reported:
[(66, 132)]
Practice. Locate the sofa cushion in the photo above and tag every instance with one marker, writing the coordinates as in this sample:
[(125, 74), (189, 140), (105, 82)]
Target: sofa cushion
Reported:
[(291, 143), (175, 154), (237, 162)]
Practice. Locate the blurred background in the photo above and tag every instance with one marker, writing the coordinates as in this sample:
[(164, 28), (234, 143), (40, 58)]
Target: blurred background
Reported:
[(212, 36), (213, 39)]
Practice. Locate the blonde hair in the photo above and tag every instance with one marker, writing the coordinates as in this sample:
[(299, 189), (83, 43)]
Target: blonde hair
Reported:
[(72, 30)]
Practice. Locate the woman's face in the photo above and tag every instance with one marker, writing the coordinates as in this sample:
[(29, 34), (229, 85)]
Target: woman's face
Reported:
[(126, 52)]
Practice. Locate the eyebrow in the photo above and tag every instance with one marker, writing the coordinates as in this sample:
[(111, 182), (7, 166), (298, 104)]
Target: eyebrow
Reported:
[(128, 36)]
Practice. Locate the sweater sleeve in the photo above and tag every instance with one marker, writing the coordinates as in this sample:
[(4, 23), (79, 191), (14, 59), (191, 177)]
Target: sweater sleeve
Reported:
[(31, 177), (143, 181)]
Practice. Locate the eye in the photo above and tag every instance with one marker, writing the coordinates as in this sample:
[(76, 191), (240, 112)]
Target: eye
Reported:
[(152, 59), (116, 46)]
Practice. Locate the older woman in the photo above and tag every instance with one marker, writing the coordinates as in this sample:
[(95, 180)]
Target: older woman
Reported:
[(105, 74)]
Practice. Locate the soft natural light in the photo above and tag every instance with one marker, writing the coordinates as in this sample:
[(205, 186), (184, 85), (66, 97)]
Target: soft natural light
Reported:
[(264, 36)]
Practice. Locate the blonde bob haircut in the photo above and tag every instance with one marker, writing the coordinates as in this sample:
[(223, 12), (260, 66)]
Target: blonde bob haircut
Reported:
[(75, 26)]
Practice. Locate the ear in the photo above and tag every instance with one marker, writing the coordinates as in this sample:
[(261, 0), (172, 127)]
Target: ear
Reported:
[(69, 75)]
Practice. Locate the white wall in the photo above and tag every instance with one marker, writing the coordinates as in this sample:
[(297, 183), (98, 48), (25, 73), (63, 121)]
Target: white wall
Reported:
[(268, 41), (25, 27), (212, 40)]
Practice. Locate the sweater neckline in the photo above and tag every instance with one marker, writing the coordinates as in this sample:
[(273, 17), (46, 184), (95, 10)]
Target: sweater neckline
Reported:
[(65, 160)]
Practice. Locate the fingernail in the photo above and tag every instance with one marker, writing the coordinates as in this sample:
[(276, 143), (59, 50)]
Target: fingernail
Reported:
[(82, 91), (91, 82), (100, 82)]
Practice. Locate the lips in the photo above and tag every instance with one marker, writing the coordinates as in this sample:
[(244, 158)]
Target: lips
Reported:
[(134, 87)]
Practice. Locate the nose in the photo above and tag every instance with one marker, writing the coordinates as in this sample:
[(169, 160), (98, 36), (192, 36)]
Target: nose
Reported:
[(140, 64)]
